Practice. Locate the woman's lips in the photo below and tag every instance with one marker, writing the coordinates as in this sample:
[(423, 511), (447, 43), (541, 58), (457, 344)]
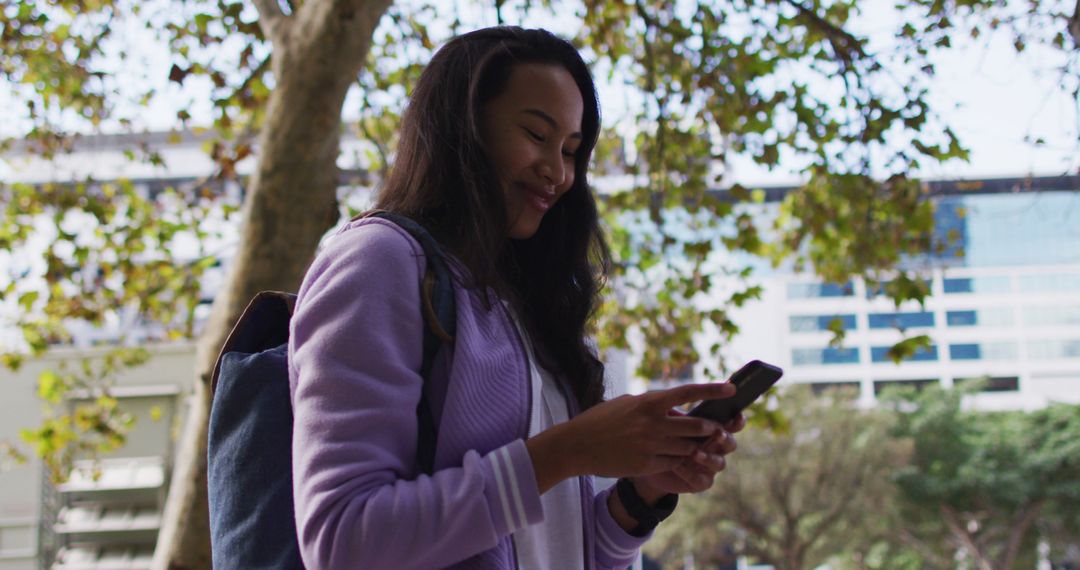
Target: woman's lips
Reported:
[(539, 198)]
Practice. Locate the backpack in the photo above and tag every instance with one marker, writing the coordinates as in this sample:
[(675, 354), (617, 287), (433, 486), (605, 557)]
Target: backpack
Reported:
[(249, 449)]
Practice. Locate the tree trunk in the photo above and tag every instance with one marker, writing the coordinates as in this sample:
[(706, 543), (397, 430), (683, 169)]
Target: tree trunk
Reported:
[(964, 539), (1019, 527), (290, 203)]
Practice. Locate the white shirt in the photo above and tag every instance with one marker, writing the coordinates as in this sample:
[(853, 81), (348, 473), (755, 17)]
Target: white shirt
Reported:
[(558, 541)]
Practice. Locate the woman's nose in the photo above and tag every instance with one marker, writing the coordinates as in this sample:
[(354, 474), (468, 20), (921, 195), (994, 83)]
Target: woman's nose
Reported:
[(553, 169)]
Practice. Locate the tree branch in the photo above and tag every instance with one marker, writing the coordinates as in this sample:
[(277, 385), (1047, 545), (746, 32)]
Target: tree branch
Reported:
[(271, 18), (1074, 25), (1019, 529), (926, 551), (747, 517), (255, 74), (844, 44), (956, 526)]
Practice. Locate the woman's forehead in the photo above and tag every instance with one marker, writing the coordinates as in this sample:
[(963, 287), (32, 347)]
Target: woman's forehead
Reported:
[(544, 90)]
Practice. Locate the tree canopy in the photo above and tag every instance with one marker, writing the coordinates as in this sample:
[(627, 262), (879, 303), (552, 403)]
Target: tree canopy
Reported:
[(984, 482)]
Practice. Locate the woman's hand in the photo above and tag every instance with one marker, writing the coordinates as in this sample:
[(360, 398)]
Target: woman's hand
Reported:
[(696, 472), (630, 436)]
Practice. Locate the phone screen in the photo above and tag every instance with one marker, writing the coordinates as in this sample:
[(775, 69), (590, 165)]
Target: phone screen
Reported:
[(751, 381)]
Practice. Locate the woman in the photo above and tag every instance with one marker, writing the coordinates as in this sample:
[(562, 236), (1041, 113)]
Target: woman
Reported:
[(492, 161)]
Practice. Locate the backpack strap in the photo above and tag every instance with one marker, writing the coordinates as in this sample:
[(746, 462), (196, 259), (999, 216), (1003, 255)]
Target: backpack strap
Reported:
[(440, 314), (264, 324)]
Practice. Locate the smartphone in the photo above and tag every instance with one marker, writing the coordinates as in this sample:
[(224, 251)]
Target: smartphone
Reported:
[(751, 381)]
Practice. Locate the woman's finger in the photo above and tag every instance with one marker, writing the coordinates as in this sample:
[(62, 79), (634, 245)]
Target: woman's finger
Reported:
[(661, 463), (697, 479), (710, 462), (722, 443), (693, 393), (736, 424), (677, 446), (687, 471), (686, 426)]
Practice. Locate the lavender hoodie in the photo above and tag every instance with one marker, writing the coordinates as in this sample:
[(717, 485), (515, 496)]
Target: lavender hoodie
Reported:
[(354, 360)]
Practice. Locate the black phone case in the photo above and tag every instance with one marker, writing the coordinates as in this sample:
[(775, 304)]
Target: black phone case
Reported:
[(751, 381)]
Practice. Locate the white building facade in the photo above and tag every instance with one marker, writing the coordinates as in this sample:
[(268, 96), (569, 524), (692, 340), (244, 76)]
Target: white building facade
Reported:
[(1004, 306)]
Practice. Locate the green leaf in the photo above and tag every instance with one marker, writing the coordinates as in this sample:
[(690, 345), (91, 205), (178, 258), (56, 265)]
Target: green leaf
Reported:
[(27, 300), (51, 387), (908, 347)]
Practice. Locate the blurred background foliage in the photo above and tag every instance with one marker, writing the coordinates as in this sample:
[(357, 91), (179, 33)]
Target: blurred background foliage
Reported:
[(919, 482)]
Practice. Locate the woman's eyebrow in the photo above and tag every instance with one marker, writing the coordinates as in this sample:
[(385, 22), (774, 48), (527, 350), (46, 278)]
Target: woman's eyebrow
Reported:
[(549, 120)]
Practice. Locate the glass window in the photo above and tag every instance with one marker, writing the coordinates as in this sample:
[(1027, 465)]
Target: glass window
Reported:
[(961, 318), (901, 320), (881, 354), (919, 384), (815, 356), (983, 351), (1052, 315), (961, 285), (813, 323), (950, 230), (964, 352), (815, 290), (1050, 283), (1000, 351), (1024, 228), (873, 291), (992, 384), (981, 317), (958, 285), (1054, 349)]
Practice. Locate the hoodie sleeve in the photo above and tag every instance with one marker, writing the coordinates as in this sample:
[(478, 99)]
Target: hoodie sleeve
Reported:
[(614, 547), (354, 355)]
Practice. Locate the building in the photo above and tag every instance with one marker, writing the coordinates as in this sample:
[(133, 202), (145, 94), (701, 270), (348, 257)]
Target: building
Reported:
[(108, 514), (1004, 305)]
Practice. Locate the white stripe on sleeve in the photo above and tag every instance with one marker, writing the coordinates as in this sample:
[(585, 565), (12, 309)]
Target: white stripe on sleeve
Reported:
[(501, 484), (514, 486), (613, 549)]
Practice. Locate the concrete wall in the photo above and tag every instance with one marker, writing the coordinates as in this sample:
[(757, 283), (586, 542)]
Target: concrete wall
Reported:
[(156, 389)]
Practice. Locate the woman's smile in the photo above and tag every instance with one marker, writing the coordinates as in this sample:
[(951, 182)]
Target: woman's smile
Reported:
[(539, 197)]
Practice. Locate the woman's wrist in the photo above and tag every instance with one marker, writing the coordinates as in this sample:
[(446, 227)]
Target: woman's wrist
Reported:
[(552, 461)]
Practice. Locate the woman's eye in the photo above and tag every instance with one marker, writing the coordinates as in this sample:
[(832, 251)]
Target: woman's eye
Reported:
[(570, 153), (535, 135)]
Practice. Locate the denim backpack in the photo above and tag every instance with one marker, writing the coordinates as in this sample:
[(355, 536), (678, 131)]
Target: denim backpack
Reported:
[(249, 457)]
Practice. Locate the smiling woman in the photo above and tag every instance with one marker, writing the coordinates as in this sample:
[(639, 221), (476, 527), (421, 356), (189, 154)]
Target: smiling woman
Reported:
[(492, 162)]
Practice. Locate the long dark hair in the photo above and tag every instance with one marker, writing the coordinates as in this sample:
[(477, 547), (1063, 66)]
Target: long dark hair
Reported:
[(442, 178)]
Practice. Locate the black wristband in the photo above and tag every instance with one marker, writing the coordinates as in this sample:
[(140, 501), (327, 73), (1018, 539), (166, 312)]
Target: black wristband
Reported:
[(647, 517)]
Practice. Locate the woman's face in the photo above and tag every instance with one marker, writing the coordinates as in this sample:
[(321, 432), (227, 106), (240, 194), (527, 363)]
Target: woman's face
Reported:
[(531, 132)]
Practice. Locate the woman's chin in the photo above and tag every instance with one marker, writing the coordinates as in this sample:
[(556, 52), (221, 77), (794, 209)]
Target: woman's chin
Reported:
[(519, 232), (524, 227)]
